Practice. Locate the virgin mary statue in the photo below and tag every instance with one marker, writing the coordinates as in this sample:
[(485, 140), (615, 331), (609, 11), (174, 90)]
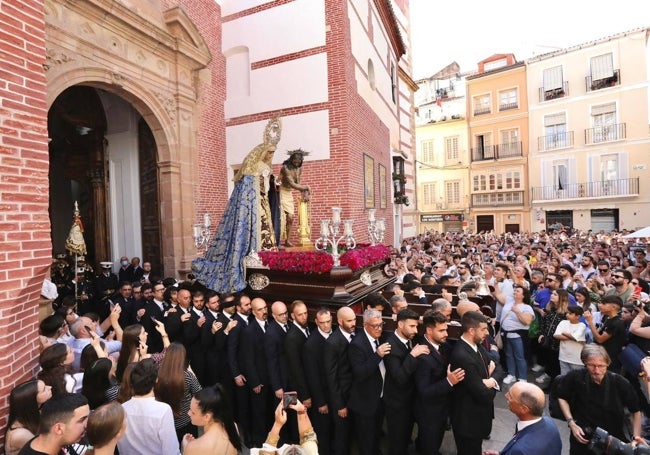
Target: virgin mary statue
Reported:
[(246, 224)]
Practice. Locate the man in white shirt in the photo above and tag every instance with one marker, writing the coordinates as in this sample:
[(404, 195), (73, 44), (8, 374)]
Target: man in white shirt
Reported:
[(150, 423)]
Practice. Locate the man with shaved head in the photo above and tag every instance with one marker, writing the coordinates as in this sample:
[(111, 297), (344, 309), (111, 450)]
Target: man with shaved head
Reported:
[(339, 377), (274, 348), (527, 402)]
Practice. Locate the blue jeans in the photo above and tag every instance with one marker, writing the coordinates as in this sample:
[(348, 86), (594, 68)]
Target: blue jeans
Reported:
[(515, 358)]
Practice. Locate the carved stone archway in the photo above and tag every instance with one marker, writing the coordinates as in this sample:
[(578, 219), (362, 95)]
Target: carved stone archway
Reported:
[(153, 60)]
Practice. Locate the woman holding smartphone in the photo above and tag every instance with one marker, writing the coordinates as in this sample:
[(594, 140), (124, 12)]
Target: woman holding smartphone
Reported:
[(134, 346)]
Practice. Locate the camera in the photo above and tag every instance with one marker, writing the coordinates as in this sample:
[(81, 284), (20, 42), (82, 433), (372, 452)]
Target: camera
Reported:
[(601, 442)]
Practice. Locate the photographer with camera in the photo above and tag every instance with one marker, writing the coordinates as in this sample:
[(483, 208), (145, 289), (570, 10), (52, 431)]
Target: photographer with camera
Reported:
[(596, 397)]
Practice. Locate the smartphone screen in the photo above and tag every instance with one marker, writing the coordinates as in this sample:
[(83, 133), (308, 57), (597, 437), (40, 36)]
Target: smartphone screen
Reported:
[(289, 398)]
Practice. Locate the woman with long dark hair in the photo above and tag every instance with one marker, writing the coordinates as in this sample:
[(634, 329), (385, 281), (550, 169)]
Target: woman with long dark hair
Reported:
[(176, 385), (56, 368), (210, 409), (99, 385), (134, 347), (25, 400)]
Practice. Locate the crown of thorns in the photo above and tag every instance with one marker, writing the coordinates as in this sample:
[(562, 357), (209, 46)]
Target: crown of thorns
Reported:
[(297, 152)]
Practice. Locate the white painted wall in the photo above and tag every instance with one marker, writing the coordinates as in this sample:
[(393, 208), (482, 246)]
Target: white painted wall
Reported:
[(282, 30), (124, 177), (309, 131), (294, 83)]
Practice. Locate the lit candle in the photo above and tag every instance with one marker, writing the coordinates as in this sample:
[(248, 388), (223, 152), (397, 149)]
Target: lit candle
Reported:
[(347, 230), (336, 215), (371, 215), (207, 222), (324, 230)]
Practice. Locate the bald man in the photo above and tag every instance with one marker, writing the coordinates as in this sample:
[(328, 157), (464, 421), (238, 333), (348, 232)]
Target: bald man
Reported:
[(339, 377), (527, 401)]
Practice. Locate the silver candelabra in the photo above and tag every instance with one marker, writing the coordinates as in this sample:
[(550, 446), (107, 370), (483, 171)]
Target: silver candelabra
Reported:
[(376, 228), (201, 232), (329, 235)]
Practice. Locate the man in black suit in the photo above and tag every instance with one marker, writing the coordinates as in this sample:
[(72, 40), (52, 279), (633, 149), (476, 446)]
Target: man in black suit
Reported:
[(434, 382), (126, 302), (293, 346), (177, 323), (254, 367), (399, 386), (313, 358), (215, 335), (366, 354), (473, 398), (274, 348), (154, 308), (242, 315), (339, 377), (195, 352)]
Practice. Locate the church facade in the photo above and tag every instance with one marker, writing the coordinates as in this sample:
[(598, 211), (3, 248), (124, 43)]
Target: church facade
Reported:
[(142, 110)]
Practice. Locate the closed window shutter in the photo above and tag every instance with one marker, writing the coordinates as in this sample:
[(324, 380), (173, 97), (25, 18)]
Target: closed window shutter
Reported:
[(603, 109), (555, 119), (602, 67), (553, 78)]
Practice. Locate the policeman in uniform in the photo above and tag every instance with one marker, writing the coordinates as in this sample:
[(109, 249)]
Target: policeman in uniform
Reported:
[(62, 277), (85, 292), (105, 286)]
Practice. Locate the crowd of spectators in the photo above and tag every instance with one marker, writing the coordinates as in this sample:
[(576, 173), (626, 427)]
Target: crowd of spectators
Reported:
[(175, 366)]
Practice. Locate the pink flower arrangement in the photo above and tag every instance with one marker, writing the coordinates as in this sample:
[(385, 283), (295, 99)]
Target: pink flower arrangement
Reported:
[(321, 262), (300, 262), (361, 258)]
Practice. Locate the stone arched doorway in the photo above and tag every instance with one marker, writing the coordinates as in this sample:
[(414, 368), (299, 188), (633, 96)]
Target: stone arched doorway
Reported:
[(149, 60), (103, 155)]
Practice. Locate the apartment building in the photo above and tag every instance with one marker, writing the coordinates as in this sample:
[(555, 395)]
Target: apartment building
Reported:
[(497, 112), (588, 119), (442, 159)]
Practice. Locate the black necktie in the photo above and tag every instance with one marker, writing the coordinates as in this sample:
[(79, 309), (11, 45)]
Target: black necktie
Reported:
[(408, 345), (266, 325), (376, 344), (307, 331), (286, 327)]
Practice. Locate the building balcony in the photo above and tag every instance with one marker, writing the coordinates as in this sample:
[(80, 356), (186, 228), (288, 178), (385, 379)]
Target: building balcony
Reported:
[(508, 106), (504, 199), (482, 110), (592, 84), (555, 141), (608, 133), (587, 190), (553, 93), (495, 152)]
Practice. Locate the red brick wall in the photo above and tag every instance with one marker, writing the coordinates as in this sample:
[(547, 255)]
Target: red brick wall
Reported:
[(26, 249)]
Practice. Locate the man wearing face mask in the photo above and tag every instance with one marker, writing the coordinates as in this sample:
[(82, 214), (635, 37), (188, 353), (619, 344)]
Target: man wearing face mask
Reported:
[(126, 270)]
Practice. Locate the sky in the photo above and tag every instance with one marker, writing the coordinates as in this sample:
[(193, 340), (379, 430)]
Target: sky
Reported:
[(467, 31)]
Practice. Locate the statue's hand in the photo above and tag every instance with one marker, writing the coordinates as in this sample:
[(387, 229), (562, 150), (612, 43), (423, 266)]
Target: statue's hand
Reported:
[(305, 196)]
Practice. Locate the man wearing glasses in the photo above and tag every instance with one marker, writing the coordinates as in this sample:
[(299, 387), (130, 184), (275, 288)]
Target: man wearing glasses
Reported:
[(594, 397), (621, 286), (366, 353)]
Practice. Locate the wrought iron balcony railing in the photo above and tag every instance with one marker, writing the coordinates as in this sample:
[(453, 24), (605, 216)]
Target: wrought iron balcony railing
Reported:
[(555, 141), (495, 152), (599, 189), (553, 93), (592, 84), (607, 133)]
